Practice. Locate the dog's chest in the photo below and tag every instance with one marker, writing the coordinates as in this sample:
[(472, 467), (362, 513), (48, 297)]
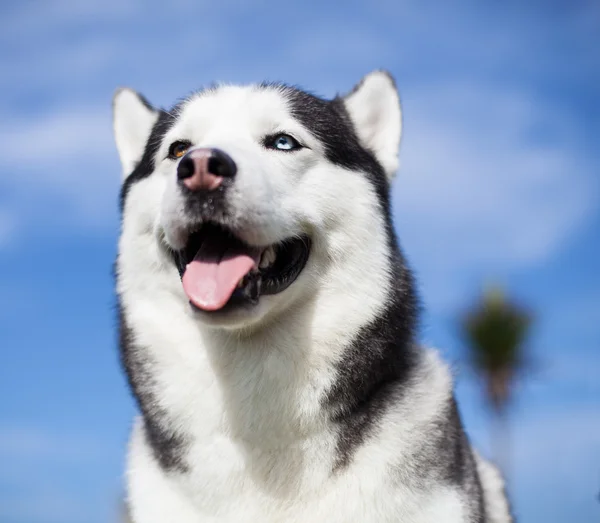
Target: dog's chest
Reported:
[(225, 484)]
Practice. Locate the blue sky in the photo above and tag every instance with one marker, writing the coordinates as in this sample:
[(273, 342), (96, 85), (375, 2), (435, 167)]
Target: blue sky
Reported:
[(500, 181)]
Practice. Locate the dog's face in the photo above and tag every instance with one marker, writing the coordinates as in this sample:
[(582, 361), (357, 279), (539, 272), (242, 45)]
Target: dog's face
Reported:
[(240, 199)]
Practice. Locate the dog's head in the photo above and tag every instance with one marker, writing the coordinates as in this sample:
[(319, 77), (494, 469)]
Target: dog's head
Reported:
[(241, 200)]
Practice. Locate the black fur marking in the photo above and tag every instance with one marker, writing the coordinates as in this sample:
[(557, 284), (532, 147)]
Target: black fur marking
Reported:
[(374, 372), (379, 362), (168, 446), (454, 459), (445, 457), (462, 469), (145, 102), (330, 123), (145, 167), (454, 447)]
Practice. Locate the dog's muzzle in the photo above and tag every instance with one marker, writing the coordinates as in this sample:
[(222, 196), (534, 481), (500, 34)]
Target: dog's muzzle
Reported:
[(218, 269)]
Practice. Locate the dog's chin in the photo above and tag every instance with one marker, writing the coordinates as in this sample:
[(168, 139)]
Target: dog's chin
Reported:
[(236, 316), (232, 284)]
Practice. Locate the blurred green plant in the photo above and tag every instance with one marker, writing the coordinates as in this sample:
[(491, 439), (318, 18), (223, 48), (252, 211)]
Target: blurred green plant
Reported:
[(496, 330)]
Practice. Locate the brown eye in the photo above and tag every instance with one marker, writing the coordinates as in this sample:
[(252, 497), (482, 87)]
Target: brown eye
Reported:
[(178, 149)]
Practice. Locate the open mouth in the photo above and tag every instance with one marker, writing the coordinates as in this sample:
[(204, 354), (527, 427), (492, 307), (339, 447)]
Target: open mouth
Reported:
[(219, 271)]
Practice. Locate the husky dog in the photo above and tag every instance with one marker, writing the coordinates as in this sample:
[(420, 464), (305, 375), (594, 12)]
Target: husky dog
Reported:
[(268, 321)]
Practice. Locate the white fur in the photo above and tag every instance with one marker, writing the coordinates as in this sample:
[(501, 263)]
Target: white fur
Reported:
[(374, 107), (496, 504), (292, 482), (247, 390), (132, 123)]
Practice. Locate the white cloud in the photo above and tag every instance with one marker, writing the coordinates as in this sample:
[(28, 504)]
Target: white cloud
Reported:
[(475, 190), (66, 159), (35, 444), (52, 13), (350, 44), (54, 138)]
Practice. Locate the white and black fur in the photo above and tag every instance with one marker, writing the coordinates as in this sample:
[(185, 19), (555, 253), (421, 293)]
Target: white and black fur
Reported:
[(314, 404)]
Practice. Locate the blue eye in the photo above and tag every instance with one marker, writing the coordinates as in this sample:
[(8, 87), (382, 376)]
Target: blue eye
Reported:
[(282, 142)]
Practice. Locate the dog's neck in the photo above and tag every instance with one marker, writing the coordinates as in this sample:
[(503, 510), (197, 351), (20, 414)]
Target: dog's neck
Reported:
[(267, 386)]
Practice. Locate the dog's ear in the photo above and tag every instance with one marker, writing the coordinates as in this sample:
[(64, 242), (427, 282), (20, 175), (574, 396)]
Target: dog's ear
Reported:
[(133, 119), (374, 107)]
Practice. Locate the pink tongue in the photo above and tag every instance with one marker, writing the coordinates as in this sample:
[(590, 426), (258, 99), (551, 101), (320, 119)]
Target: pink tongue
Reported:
[(212, 276)]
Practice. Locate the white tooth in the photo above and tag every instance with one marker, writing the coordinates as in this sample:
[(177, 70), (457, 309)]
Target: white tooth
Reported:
[(267, 258)]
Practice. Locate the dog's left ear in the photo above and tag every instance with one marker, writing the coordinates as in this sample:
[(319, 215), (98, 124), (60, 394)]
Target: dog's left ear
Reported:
[(374, 107), (133, 120)]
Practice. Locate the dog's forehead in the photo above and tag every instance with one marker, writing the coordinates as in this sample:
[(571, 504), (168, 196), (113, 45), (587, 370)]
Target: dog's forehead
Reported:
[(250, 106)]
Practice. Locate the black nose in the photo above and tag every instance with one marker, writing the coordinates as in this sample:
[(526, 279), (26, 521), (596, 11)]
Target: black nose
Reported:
[(210, 161)]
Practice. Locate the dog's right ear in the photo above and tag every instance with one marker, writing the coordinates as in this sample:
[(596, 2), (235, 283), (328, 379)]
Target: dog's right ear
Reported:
[(133, 120), (374, 108)]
